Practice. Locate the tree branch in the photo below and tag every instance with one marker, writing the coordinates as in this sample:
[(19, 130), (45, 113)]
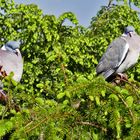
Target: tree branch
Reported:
[(93, 124)]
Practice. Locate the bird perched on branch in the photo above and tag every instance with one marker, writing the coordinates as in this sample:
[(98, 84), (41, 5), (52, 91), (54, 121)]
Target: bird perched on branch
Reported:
[(10, 61), (120, 55)]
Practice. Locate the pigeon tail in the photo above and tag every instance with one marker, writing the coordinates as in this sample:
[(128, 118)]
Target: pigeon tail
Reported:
[(3, 96), (108, 73)]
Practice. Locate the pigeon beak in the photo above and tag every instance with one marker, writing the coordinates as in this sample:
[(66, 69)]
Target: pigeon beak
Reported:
[(130, 34), (16, 51)]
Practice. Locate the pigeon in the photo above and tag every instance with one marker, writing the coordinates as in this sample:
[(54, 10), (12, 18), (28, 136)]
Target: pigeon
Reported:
[(121, 54), (10, 61)]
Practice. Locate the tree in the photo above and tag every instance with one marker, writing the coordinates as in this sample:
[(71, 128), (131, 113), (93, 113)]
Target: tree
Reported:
[(60, 96)]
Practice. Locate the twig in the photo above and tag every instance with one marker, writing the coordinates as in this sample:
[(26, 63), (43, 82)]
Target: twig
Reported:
[(28, 124), (129, 3), (93, 124), (28, 130), (42, 121), (130, 111), (109, 3), (65, 77), (134, 87)]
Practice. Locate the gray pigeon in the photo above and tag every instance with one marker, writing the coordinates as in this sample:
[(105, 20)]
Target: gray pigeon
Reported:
[(120, 55), (11, 60)]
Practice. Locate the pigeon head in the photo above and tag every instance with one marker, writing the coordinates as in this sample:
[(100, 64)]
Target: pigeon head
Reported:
[(129, 29), (12, 46)]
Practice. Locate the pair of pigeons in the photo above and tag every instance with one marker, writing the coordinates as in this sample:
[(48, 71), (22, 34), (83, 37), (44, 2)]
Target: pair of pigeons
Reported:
[(120, 55), (10, 61)]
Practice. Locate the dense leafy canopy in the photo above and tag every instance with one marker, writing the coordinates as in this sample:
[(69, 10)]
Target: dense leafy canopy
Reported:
[(60, 96)]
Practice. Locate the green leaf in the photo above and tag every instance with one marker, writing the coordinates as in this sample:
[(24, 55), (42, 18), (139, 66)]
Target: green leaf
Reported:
[(60, 95), (124, 91), (128, 125), (97, 99), (91, 98), (39, 100), (129, 100), (118, 89), (65, 102), (67, 93), (114, 96), (118, 127), (103, 93), (40, 85)]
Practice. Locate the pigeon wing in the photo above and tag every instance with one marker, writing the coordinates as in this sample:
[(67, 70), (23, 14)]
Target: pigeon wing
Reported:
[(113, 57), (10, 62)]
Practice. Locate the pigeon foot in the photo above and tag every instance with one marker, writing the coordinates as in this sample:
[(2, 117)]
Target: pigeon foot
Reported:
[(3, 96), (120, 78)]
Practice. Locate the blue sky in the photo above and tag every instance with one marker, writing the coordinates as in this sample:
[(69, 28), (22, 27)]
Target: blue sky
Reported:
[(83, 9)]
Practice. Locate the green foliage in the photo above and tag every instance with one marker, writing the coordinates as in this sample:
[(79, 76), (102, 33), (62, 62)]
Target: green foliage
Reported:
[(60, 96), (135, 2)]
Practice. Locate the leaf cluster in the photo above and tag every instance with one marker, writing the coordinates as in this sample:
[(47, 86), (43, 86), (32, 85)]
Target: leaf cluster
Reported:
[(60, 96)]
